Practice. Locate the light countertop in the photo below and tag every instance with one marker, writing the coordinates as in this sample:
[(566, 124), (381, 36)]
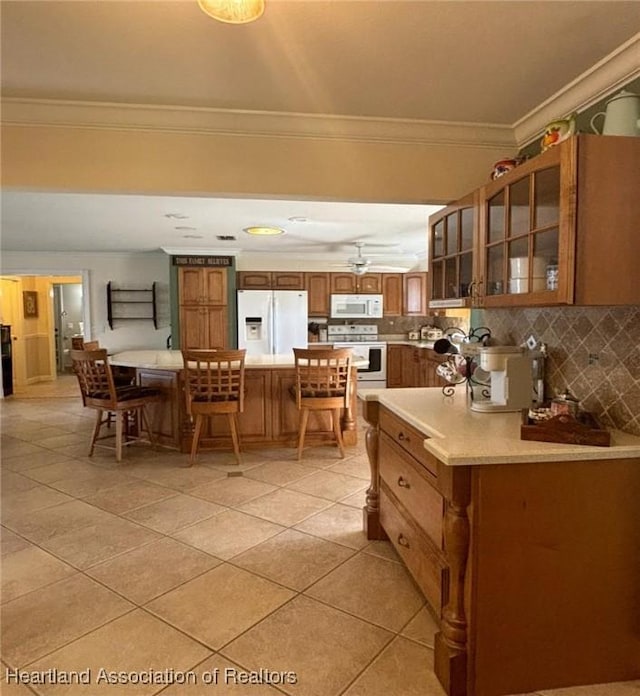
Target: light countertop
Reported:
[(458, 436), (172, 360)]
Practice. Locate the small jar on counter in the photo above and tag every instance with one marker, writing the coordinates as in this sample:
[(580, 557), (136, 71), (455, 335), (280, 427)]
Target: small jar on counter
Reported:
[(565, 403)]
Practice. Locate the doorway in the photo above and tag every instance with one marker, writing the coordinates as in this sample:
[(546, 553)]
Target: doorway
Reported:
[(68, 323), (41, 329)]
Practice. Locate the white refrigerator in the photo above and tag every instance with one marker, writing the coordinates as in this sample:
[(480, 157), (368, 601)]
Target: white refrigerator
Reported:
[(272, 322)]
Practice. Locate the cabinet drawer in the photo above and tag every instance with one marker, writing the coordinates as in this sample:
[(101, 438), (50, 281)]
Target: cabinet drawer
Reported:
[(424, 561), (412, 488), (409, 439)]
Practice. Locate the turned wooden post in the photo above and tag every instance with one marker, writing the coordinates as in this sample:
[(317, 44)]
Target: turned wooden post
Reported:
[(371, 510), (451, 644)]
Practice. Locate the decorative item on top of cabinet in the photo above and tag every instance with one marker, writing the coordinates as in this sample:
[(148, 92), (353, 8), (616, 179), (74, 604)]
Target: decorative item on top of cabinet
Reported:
[(270, 280), (318, 287), (415, 294), (392, 294), (128, 303)]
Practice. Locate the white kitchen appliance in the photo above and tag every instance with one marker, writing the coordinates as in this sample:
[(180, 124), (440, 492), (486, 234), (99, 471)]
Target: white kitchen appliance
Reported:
[(363, 340), (511, 379), (272, 322), (356, 307)]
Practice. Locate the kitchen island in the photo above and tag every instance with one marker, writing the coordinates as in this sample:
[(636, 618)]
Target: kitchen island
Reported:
[(270, 417), (527, 552)]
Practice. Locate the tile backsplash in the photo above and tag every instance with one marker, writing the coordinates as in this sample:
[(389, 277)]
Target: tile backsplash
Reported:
[(595, 351)]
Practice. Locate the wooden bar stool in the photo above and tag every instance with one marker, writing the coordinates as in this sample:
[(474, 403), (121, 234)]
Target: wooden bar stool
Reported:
[(214, 384), (323, 383), (99, 391)]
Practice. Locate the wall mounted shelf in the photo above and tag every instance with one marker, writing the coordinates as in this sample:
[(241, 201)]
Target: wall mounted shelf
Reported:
[(127, 304)]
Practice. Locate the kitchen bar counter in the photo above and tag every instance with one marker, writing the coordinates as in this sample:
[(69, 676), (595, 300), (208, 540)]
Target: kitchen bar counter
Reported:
[(527, 552), (458, 436), (172, 360), (270, 417)]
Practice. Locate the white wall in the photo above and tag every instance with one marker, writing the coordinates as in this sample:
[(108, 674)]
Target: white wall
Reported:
[(135, 270)]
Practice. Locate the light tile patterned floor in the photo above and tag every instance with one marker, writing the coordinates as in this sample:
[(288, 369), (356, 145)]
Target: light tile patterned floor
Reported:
[(149, 565)]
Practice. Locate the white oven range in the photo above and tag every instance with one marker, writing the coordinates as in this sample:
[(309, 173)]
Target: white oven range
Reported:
[(363, 338)]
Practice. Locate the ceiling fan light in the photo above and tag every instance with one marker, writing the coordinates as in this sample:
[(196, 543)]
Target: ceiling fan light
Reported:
[(359, 270), (263, 231), (233, 11)]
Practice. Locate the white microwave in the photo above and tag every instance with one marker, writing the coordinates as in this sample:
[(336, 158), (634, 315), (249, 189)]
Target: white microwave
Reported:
[(356, 306)]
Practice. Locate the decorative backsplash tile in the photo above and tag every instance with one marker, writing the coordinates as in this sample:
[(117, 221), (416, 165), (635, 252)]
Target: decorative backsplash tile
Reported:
[(595, 351)]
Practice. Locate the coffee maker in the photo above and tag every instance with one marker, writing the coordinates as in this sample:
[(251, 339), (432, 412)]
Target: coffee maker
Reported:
[(511, 379)]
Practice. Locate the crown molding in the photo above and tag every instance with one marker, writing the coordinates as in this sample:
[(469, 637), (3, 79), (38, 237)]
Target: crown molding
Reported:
[(178, 119), (611, 73)]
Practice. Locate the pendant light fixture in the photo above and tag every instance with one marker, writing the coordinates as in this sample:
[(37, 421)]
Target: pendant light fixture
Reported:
[(233, 11)]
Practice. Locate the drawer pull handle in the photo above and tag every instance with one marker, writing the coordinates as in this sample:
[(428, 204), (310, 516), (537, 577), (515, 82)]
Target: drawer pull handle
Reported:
[(402, 436), (403, 541), (403, 483)]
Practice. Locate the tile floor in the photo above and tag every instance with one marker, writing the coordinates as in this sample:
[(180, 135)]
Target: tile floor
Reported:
[(150, 566)]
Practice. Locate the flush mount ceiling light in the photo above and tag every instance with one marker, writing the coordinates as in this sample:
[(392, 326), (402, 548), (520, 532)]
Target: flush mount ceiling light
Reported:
[(261, 231), (233, 11)]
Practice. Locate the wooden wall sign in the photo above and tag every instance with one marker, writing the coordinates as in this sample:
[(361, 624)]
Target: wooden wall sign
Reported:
[(226, 261)]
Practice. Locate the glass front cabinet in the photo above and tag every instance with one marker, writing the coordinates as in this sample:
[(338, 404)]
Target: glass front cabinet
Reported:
[(452, 239), (527, 233)]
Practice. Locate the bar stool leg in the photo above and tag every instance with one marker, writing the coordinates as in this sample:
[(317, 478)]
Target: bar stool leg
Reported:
[(196, 438), (96, 431), (119, 429), (304, 417), (335, 417), (233, 425)]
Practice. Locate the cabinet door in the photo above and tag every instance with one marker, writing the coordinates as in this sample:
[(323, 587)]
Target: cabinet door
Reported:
[(203, 327), (394, 366), (392, 294), (453, 236), (286, 417), (343, 283), (415, 294), (287, 281), (525, 254), (370, 283), (254, 423), (254, 280), (215, 286), (318, 288), (190, 289), (215, 327), (165, 415)]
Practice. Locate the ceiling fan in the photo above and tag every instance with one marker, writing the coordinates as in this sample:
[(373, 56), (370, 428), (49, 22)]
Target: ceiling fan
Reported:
[(360, 264)]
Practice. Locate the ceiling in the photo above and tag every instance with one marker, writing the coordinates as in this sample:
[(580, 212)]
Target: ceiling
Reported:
[(471, 62)]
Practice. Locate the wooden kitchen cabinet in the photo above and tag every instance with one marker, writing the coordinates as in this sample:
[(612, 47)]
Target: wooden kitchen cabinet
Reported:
[(318, 287), (202, 294), (512, 540), (572, 213), (411, 366), (453, 237), (369, 283), (343, 283), (392, 294), (203, 327), (350, 283), (415, 294), (253, 280), (394, 365), (559, 229), (202, 286), (270, 280)]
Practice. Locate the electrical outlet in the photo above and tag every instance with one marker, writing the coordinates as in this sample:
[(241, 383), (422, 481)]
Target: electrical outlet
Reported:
[(593, 358)]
